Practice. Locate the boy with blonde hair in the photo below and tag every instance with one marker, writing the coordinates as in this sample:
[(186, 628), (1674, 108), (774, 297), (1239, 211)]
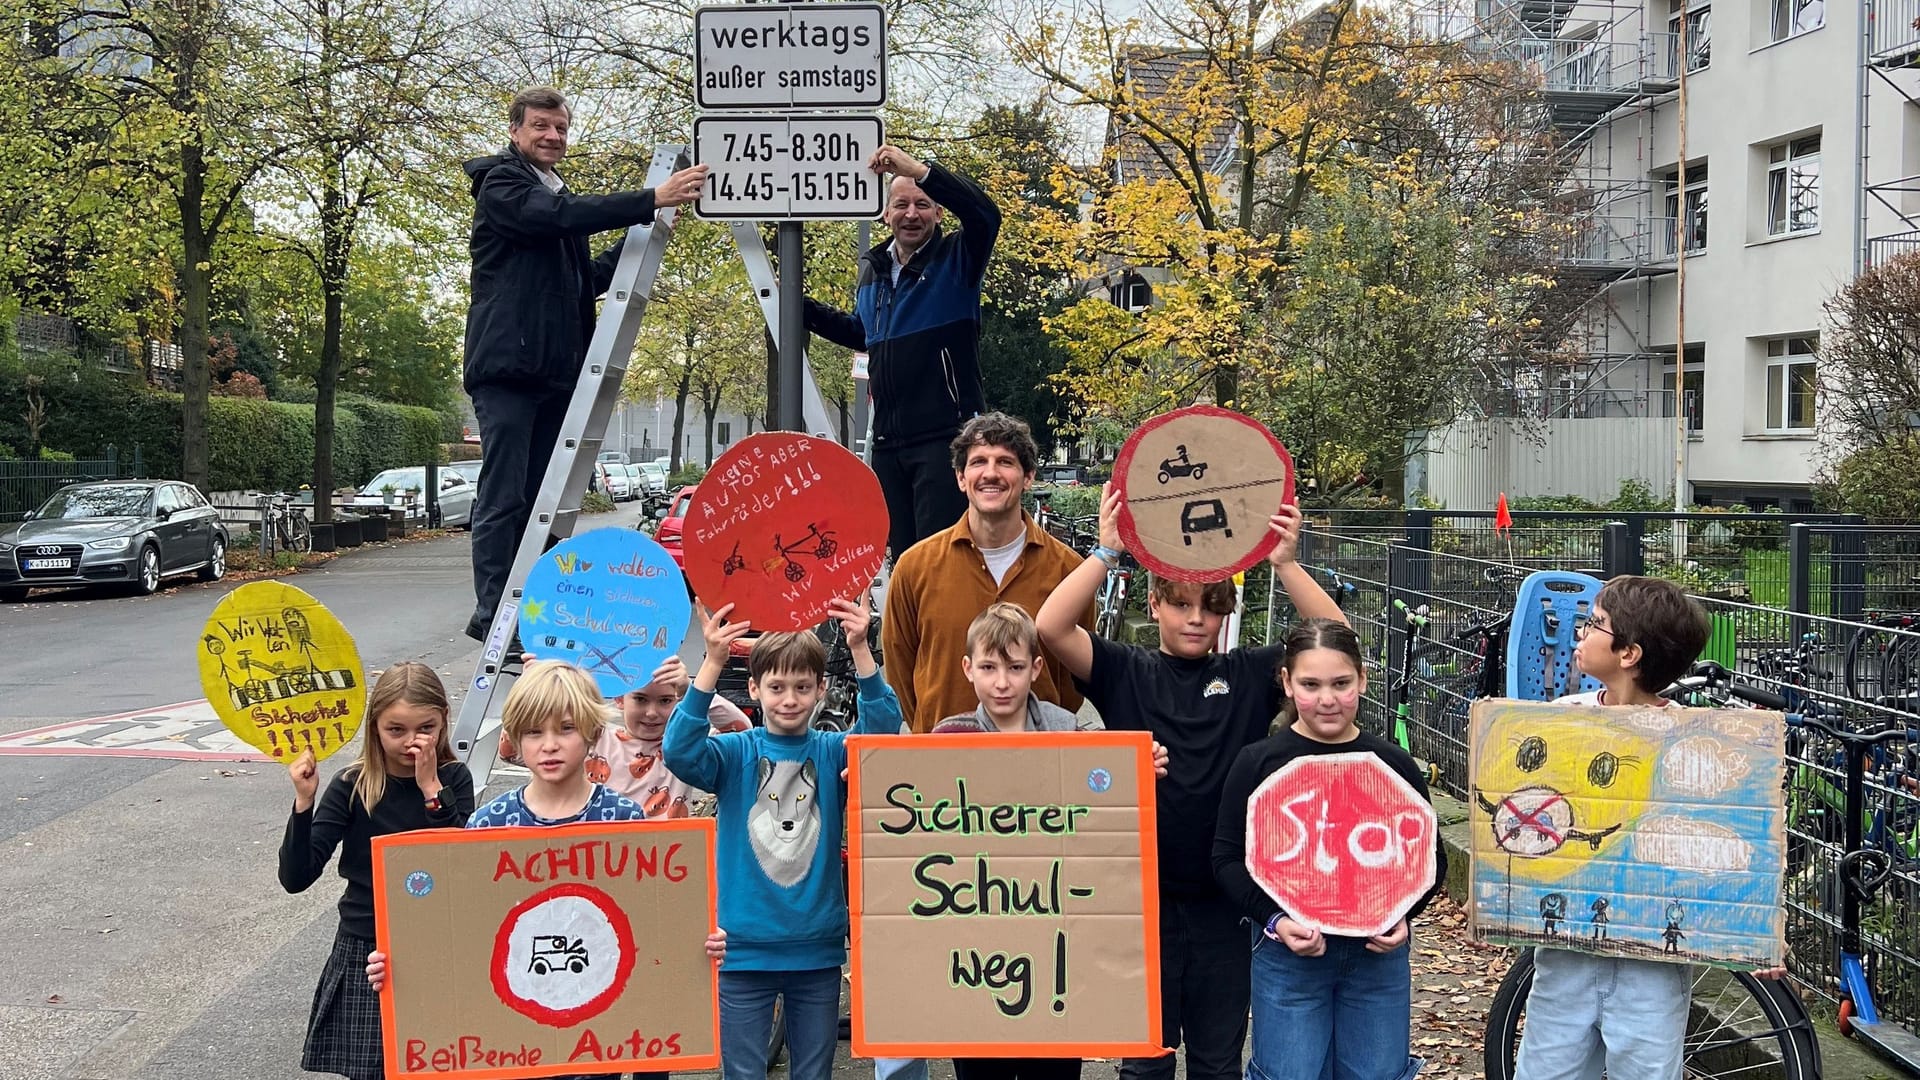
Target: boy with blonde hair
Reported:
[(554, 714), (1003, 660)]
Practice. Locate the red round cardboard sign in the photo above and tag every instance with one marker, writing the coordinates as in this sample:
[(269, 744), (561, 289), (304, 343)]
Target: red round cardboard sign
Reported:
[(1341, 842), (781, 524), (1197, 487)]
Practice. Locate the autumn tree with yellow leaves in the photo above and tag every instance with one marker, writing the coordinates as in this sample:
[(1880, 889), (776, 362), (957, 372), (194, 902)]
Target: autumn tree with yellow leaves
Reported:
[(1347, 219)]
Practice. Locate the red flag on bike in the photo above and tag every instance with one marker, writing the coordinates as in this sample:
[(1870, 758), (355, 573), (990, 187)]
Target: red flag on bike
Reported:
[(1502, 517)]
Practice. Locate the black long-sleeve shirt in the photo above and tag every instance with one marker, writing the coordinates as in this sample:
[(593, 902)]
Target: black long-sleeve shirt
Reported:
[(1263, 759), (338, 820)]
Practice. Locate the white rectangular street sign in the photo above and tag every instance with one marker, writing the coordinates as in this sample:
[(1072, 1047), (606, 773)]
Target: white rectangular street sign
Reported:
[(790, 56), (788, 168)]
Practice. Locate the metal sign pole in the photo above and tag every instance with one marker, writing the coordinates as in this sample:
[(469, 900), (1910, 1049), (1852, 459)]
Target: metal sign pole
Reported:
[(862, 405), (791, 249)]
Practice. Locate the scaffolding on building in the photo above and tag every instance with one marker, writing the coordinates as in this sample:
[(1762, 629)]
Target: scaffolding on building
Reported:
[(1600, 68), (1889, 60)]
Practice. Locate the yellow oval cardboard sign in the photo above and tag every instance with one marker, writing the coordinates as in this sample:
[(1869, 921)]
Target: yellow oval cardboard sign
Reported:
[(281, 672)]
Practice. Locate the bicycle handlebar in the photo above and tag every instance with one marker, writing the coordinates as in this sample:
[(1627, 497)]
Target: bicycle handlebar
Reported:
[(1416, 617), (1716, 677)]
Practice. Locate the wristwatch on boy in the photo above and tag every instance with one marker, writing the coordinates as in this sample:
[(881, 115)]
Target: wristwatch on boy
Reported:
[(1273, 924)]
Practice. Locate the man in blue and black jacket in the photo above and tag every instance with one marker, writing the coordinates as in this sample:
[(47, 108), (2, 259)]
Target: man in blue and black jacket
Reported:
[(917, 317), (534, 284)]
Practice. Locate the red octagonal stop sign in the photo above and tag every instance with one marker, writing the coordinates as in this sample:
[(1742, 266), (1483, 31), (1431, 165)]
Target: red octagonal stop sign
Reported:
[(1341, 843)]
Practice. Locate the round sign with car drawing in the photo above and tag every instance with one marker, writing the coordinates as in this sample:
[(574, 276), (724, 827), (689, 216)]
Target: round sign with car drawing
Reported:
[(1198, 486)]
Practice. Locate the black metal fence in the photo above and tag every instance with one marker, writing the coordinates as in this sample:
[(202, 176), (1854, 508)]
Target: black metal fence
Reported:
[(1822, 609), (25, 484)]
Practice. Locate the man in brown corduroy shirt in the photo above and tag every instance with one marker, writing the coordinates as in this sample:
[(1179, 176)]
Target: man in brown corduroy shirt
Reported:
[(994, 553)]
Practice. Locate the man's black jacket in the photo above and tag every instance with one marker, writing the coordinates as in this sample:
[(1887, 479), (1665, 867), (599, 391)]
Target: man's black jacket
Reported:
[(922, 338), (534, 278)]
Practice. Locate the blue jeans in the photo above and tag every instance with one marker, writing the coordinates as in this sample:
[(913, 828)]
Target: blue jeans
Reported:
[(1589, 1013), (899, 1069), (812, 1003), (1342, 1015)]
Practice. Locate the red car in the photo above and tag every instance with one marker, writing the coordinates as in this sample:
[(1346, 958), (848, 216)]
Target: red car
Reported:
[(672, 520)]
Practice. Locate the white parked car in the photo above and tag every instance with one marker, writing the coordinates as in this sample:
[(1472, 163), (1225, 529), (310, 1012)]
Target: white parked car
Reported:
[(403, 487), (637, 481), (656, 478), (613, 481)]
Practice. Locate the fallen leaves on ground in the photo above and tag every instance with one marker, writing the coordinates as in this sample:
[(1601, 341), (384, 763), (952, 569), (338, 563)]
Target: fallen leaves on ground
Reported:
[(1453, 984)]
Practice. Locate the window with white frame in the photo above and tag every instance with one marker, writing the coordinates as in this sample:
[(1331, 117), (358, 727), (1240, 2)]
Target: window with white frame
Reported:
[(1695, 197), (1791, 383), (1692, 388), (1793, 186), (1699, 31), (1792, 17)]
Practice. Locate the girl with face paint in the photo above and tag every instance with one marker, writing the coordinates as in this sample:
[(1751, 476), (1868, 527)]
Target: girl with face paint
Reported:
[(1323, 1004)]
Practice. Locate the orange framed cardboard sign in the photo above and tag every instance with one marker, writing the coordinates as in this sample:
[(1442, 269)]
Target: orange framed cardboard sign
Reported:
[(1004, 892), (530, 952)]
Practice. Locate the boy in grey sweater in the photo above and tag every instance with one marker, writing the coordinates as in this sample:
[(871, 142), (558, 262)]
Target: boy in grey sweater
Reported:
[(1003, 659)]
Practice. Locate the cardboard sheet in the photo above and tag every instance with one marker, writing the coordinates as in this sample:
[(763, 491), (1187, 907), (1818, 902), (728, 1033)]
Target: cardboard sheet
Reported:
[(1199, 485), (532, 952), (281, 672), (1004, 895), (1651, 833), (782, 524)]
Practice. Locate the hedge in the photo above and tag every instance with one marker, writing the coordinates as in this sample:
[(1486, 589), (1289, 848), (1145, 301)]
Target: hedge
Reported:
[(253, 443)]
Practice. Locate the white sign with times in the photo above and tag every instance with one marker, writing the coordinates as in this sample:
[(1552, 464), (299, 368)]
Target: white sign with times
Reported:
[(790, 56), (788, 168)]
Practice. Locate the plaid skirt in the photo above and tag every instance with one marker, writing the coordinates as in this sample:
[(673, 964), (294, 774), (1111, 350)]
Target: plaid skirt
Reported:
[(343, 1028)]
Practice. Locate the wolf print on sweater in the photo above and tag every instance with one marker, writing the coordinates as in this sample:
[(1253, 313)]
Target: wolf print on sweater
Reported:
[(784, 824)]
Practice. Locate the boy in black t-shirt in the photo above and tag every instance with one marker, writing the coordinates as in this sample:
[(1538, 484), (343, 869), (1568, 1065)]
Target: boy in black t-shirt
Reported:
[(1205, 707)]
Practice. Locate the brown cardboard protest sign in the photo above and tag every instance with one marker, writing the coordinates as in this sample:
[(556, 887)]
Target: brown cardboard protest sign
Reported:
[(1655, 834), (1004, 895), (1199, 485), (532, 952)]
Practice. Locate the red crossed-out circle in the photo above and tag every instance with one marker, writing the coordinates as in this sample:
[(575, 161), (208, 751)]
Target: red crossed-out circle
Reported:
[(534, 1010)]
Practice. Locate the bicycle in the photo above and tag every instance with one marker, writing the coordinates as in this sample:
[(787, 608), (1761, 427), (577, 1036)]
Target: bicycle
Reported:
[(284, 525), (1110, 613), (1738, 1024), (1884, 656)]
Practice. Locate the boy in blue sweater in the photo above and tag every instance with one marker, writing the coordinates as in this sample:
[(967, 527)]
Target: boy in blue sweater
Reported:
[(781, 809)]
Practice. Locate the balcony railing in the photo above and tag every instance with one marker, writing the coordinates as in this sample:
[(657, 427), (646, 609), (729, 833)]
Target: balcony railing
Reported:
[(1892, 35), (1615, 240)]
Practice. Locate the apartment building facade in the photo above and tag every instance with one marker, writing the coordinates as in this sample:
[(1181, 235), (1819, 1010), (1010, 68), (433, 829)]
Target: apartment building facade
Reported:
[(1802, 145)]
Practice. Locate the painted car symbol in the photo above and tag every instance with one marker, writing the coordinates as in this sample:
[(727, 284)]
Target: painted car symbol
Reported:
[(1203, 515)]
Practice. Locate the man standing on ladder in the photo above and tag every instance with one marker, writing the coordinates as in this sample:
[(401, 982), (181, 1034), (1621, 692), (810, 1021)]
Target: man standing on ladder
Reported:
[(917, 317), (534, 285)]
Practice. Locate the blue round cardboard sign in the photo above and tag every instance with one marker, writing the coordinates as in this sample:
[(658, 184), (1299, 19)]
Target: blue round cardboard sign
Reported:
[(610, 601)]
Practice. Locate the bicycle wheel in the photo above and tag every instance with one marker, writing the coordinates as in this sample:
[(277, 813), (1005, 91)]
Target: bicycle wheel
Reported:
[(1883, 662), (299, 534), (1737, 1026)]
